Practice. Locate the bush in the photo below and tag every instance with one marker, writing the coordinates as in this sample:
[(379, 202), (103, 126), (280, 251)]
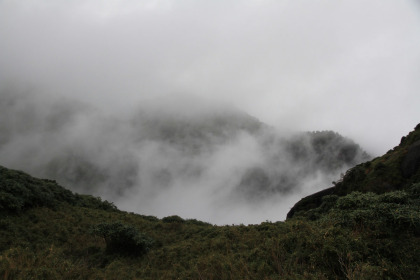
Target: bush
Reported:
[(356, 200), (150, 218), (123, 239), (173, 219), (398, 197), (92, 202), (197, 222)]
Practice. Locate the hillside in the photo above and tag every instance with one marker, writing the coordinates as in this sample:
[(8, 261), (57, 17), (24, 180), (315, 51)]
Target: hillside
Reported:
[(397, 170), (48, 232)]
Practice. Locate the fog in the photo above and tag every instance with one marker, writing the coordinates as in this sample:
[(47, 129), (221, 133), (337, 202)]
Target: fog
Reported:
[(213, 162), (164, 107)]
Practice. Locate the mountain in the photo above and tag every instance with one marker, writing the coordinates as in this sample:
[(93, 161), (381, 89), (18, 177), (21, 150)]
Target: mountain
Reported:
[(298, 158), (368, 228), (397, 170)]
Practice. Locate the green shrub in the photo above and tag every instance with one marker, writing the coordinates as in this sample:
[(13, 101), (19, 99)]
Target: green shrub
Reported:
[(173, 219), (9, 202), (197, 222), (123, 239), (90, 201), (398, 197), (391, 212), (150, 218), (356, 200)]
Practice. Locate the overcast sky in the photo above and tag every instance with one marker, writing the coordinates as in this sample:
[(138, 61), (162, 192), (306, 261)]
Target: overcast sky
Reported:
[(350, 66)]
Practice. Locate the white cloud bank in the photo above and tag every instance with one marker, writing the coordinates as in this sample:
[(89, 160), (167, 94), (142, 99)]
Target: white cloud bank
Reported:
[(351, 66)]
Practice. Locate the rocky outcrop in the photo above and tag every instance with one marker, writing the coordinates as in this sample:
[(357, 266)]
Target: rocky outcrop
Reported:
[(411, 162), (310, 202)]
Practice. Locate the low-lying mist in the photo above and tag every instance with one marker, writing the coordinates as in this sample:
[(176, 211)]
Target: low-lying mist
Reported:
[(175, 156)]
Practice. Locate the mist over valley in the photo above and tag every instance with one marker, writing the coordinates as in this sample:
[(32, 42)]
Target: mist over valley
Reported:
[(188, 156)]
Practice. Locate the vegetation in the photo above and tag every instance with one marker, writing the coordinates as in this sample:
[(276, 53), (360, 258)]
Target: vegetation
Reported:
[(123, 239), (398, 169), (20, 192), (47, 232)]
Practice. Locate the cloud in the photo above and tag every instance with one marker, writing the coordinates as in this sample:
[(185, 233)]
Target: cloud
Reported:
[(348, 66), (213, 163)]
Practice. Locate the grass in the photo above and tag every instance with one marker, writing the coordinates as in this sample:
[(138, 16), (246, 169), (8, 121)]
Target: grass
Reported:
[(45, 243)]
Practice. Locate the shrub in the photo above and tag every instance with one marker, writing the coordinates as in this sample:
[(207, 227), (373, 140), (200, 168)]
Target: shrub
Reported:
[(197, 222), (92, 202), (150, 218), (173, 219), (123, 239), (392, 212), (398, 197), (356, 200)]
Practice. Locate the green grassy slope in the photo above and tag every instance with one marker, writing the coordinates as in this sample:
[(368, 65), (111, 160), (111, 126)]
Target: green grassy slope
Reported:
[(48, 232)]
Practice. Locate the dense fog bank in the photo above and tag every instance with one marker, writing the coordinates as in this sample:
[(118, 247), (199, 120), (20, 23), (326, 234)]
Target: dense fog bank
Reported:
[(176, 156)]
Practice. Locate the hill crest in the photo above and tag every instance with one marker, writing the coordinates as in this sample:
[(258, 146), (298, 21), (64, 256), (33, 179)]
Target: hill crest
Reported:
[(396, 170)]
